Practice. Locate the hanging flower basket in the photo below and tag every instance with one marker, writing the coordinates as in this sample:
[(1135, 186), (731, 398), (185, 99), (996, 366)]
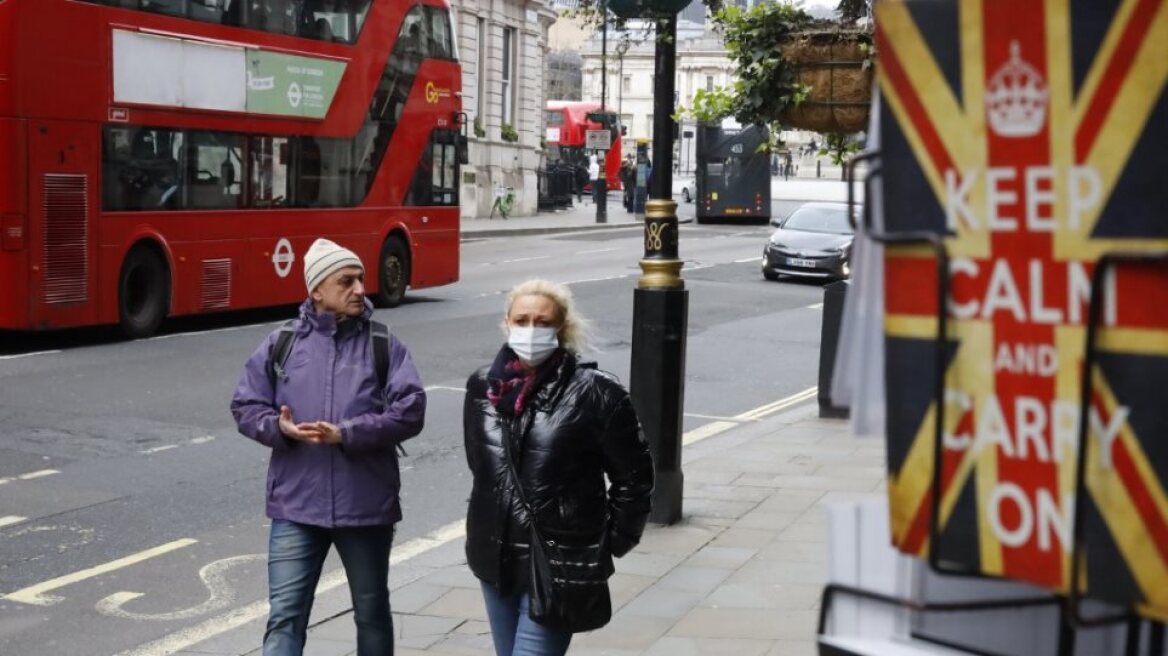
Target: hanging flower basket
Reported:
[(836, 64)]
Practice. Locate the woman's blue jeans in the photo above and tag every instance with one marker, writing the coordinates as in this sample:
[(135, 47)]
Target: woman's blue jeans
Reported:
[(296, 554), (515, 633)]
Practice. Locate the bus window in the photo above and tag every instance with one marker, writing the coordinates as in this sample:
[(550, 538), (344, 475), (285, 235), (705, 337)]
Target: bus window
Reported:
[(445, 159), (140, 168), (322, 170), (440, 45), (268, 172), (436, 178), (324, 20), (213, 171), (168, 7), (413, 38)]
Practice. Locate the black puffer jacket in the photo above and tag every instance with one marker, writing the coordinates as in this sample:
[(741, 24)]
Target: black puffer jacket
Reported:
[(579, 427)]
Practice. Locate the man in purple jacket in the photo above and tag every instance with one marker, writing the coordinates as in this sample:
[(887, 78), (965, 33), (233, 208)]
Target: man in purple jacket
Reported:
[(333, 473)]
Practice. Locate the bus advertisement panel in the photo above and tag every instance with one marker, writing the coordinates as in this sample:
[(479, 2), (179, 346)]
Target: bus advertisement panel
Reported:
[(733, 178), (567, 125), (183, 155)]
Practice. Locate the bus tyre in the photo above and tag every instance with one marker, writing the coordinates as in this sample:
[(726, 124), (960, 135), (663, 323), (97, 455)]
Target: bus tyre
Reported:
[(143, 292), (393, 273)]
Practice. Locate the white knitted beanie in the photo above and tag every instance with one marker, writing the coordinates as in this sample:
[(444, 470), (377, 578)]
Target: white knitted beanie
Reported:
[(325, 257)]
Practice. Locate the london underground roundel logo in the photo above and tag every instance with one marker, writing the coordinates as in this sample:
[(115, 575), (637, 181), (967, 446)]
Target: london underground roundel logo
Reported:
[(283, 257)]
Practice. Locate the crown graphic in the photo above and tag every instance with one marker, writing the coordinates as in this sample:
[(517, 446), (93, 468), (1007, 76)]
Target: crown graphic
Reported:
[(1016, 98)]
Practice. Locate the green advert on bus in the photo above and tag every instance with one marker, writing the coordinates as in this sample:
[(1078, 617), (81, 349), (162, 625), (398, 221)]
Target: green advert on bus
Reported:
[(290, 85)]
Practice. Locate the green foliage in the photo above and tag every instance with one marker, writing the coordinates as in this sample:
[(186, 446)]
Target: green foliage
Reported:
[(708, 106), (766, 85), (508, 133), (839, 147), (478, 128)]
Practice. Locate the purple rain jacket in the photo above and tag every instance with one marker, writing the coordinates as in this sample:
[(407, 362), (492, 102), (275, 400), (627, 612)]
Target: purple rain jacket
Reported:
[(329, 376)]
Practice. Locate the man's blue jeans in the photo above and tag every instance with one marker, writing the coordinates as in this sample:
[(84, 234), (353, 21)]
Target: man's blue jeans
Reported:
[(296, 554), (515, 633)]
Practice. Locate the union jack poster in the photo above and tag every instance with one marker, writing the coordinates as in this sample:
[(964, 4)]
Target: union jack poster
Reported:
[(1033, 135)]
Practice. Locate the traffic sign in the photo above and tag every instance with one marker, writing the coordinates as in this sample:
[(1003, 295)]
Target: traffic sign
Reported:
[(598, 139)]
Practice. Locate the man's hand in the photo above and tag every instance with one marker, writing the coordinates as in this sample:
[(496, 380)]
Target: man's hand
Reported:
[(326, 433), (313, 432)]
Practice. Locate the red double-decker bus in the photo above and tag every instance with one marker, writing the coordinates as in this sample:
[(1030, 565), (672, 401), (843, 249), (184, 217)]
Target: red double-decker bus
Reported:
[(566, 123), (175, 157)]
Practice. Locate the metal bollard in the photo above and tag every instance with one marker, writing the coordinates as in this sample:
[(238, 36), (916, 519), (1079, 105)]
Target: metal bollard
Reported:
[(833, 312)]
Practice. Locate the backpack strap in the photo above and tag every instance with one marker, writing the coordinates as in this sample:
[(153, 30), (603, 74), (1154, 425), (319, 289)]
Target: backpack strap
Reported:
[(279, 350), (379, 335), (379, 338)]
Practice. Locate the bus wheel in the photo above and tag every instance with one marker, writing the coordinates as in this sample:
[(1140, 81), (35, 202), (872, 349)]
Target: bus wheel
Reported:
[(393, 273), (143, 292)]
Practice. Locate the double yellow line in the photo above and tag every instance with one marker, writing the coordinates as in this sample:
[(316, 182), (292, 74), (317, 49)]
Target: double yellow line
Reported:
[(715, 427)]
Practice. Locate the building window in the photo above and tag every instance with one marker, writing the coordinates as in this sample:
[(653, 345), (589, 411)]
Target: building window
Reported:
[(508, 76), (481, 71), (709, 83), (627, 84)]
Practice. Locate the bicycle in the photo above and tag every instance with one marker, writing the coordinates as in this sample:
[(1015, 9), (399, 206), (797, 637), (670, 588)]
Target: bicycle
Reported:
[(504, 201)]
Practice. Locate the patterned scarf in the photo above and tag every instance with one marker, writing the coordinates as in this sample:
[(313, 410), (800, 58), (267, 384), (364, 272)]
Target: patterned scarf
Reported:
[(510, 386)]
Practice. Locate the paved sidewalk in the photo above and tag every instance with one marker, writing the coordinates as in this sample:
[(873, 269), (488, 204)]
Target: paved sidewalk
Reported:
[(741, 574)]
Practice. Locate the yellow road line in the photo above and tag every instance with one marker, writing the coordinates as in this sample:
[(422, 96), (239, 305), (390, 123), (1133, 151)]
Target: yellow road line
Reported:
[(715, 427)]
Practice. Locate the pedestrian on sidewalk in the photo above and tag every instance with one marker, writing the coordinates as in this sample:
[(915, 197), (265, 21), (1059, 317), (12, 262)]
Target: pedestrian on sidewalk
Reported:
[(332, 394), (543, 428), (581, 182), (594, 177)]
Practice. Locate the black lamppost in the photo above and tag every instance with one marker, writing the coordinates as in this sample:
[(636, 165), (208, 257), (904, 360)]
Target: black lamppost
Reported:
[(660, 301), (601, 182)]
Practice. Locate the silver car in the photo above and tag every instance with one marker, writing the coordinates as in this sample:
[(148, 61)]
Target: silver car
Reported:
[(814, 242)]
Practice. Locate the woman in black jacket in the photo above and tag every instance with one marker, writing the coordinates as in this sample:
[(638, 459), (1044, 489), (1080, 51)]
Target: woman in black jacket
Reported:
[(542, 415)]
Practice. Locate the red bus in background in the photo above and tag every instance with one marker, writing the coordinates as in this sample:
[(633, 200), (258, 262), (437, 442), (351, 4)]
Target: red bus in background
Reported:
[(180, 157), (566, 122)]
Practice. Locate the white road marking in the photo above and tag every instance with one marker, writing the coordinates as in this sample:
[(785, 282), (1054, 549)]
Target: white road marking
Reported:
[(526, 259), (29, 476), (445, 388), (203, 440), (747, 259), (9, 520), (714, 428), (156, 449), (214, 626), (576, 282), (35, 594), (597, 250), (28, 355), (817, 306), (222, 594), (213, 331)]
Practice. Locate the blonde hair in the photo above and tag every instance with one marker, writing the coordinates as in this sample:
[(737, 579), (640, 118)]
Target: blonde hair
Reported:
[(575, 331)]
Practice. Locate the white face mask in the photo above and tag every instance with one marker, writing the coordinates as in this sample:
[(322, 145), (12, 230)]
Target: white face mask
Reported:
[(533, 344)]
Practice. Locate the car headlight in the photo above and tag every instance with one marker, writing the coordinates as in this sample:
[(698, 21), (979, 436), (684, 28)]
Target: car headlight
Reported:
[(777, 244)]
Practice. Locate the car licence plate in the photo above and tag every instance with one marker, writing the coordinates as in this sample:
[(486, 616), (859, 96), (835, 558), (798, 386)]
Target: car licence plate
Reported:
[(794, 261)]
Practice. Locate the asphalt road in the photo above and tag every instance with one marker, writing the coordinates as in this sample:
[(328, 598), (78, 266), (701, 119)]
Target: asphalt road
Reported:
[(130, 508)]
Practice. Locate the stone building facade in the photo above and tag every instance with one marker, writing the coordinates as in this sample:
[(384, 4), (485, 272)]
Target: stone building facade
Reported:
[(502, 46)]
